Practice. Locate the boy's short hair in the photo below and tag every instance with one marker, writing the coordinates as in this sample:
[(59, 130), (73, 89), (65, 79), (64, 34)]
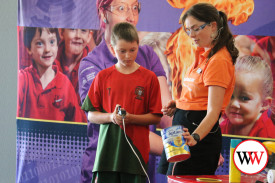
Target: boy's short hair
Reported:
[(125, 31), (29, 33)]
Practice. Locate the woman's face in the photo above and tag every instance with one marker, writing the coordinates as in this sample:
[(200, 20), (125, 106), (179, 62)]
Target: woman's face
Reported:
[(121, 11), (200, 32), (246, 102)]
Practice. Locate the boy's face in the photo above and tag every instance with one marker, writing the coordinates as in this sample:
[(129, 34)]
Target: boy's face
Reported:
[(75, 40), (44, 48), (126, 52), (246, 102)]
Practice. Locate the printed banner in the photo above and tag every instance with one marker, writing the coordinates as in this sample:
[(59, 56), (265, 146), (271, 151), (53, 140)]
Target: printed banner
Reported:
[(54, 139), (155, 16)]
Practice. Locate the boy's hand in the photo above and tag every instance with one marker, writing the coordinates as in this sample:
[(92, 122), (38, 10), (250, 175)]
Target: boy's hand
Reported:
[(169, 109), (114, 115), (116, 118), (189, 139)]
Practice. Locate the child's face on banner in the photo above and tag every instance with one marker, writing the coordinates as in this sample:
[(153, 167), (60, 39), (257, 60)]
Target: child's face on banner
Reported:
[(44, 48), (75, 40), (122, 11), (126, 52), (246, 102)]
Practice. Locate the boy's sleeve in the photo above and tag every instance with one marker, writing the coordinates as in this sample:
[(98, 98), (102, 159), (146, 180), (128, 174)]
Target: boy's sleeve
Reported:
[(155, 104), (93, 99), (21, 93), (219, 73)]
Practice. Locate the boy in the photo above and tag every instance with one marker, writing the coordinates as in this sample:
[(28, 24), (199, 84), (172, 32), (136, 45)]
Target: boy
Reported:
[(135, 89), (43, 91)]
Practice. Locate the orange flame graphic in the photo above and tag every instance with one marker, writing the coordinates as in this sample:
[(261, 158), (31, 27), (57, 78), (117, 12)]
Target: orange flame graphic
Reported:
[(179, 49)]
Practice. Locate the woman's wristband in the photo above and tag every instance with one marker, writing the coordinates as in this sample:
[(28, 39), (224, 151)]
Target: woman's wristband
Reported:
[(196, 137)]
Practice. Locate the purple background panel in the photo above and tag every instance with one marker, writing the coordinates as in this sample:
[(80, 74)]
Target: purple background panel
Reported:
[(57, 13), (263, 15), (155, 16), (49, 152), (158, 16)]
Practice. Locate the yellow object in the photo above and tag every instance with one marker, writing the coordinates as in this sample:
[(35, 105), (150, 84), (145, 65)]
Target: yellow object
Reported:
[(234, 173), (270, 146), (208, 180)]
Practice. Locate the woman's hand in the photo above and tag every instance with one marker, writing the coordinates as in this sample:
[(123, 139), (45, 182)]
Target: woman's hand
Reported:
[(189, 139), (169, 109), (221, 160)]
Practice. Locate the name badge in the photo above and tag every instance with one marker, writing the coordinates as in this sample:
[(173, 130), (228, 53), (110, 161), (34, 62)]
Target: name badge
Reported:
[(199, 70)]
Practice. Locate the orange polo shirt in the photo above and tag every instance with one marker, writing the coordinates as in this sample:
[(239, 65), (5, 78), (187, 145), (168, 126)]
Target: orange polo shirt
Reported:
[(217, 71)]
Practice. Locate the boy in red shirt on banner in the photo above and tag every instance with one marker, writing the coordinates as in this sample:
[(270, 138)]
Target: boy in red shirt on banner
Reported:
[(247, 112), (72, 48), (43, 91), (137, 90)]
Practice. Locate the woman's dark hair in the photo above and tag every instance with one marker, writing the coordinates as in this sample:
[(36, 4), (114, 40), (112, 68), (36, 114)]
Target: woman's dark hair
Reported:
[(206, 12)]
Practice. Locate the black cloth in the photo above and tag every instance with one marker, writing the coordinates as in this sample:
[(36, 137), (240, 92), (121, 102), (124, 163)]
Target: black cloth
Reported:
[(204, 155)]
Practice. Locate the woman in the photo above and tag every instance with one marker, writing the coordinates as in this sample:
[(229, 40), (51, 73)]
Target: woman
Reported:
[(111, 12), (207, 89)]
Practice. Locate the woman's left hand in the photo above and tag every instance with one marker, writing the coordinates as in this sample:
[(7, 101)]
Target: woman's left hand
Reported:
[(221, 160), (189, 139)]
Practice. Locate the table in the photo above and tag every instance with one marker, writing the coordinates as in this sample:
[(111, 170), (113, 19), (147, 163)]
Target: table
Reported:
[(223, 178)]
